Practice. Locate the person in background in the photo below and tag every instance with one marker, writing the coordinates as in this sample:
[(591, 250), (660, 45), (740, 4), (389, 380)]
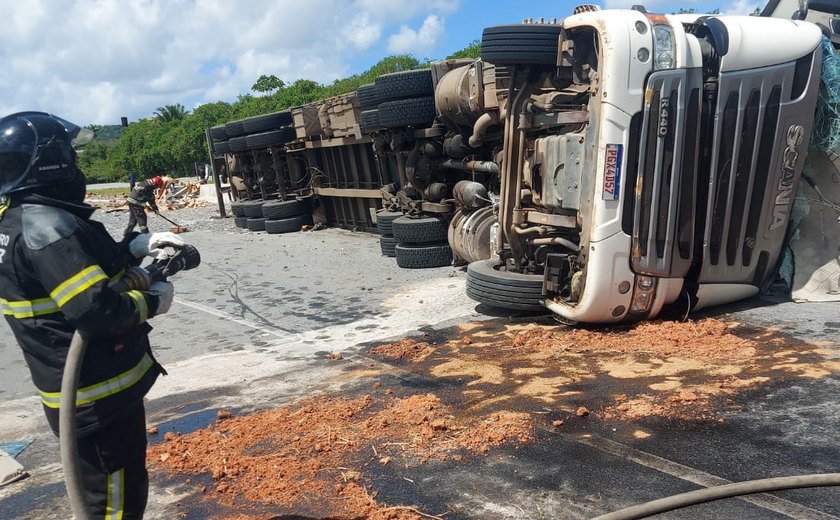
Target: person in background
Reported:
[(131, 181), (142, 194)]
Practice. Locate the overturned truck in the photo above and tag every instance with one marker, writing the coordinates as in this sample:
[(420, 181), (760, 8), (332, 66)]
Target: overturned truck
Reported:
[(605, 166)]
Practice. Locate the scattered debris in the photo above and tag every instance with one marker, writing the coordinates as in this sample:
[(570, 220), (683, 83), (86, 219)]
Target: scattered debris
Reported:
[(404, 349), (582, 411), (309, 458), (153, 430), (334, 356)]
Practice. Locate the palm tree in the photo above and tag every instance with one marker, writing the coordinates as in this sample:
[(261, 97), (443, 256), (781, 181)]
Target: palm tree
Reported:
[(169, 113)]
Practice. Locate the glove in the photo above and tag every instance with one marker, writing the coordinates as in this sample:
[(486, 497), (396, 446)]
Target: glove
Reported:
[(165, 291), (154, 244)]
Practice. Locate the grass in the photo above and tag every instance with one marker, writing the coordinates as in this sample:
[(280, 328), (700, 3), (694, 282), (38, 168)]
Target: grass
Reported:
[(108, 192)]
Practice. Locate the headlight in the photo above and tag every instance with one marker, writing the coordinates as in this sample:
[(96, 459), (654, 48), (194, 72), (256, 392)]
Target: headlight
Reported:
[(643, 295), (664, 55)]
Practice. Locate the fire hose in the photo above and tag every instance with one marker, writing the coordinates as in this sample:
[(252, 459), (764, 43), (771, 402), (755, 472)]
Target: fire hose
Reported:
[(136, 278)]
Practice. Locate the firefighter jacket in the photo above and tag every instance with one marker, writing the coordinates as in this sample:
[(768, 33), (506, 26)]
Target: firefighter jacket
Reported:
[(143, 192), (55, 266)]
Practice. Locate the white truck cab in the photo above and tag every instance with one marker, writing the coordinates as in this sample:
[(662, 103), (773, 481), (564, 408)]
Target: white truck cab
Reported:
[(652, 163)]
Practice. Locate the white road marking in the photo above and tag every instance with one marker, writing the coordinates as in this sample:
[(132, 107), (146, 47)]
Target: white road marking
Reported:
[(274, 331), (696, 476)]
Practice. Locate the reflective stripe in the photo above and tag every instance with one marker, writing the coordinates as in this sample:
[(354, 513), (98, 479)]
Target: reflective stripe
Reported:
[(116, 495), (140, 303), (77, 284), (3, 207), (29, 309), (109, 387)]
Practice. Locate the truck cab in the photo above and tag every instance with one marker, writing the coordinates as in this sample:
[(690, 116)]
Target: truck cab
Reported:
[(648, 160)]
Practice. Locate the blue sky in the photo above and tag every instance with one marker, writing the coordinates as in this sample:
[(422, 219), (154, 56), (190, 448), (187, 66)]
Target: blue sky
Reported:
[(112, 58)]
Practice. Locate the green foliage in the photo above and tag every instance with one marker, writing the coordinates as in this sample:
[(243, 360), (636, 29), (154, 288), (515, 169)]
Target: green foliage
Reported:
[(473, 50), (267, 84), (169, 113), (174, 140)]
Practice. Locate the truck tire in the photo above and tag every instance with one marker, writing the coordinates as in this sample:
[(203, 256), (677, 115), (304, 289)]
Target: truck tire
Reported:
[(388, 245), (407, 112), (238, 209), (218, 133), (369, 121), (234, 129), (238, 144), (240, 222), (502, 289), (253, 208), (526, 44), (287, 225), (405, 84), (265, 122), (256, 224), (385, 221), (271, 138), (421, 256), (277, 209), (221, 147), (368, 96), (413, 230)]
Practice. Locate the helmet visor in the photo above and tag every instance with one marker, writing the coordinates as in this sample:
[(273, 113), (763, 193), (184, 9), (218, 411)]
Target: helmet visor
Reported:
[(79, 136), (18, 147)]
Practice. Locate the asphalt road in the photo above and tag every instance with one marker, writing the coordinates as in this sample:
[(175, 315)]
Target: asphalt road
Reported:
[(252, 326)]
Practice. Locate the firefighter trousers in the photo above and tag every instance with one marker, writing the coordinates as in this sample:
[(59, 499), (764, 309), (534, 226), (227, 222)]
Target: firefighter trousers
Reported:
[(136, 216), (113, 464)]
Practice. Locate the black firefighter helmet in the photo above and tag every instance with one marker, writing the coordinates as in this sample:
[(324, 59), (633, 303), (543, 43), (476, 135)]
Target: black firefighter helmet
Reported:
[(38, 149)]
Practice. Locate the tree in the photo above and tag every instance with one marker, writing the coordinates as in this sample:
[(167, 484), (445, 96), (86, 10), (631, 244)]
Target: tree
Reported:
[(267, 84), (473, 50), (170, 113)]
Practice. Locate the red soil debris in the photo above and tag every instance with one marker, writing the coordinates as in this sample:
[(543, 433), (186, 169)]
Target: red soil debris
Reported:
[(706, 338), (404, 349), (304, 458)]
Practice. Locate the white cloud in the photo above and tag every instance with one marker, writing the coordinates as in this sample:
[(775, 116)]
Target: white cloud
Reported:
[(93, 61), (741, 7), (419, 41)]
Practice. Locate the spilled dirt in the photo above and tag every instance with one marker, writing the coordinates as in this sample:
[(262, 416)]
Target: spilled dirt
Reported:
[(679, 370), (310, 458), (496, 384)]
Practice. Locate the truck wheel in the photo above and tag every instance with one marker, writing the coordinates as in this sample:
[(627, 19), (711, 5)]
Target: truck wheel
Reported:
[(369, 121), (421, 256), (253, 208), (218, 133), (271, 138), (276, 209), (405, 84), (221, 147), (388, 245), (240, 222), (238, 209), (527, 44), (238, 144), (234, 129), (256, 224), (410, 230), (385, 221), (287, 225), (506, 290), (368, 96), (266, 122), (407, 112)]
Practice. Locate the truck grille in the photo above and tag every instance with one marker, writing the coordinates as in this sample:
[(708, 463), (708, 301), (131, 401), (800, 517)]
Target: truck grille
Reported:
[(749, 195), (665, 199)]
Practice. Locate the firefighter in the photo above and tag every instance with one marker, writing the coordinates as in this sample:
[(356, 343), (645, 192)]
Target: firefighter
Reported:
[(55, 266), (143, 193)]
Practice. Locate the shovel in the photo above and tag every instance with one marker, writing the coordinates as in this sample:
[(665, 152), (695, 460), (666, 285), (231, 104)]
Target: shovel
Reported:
[(176, 228)]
